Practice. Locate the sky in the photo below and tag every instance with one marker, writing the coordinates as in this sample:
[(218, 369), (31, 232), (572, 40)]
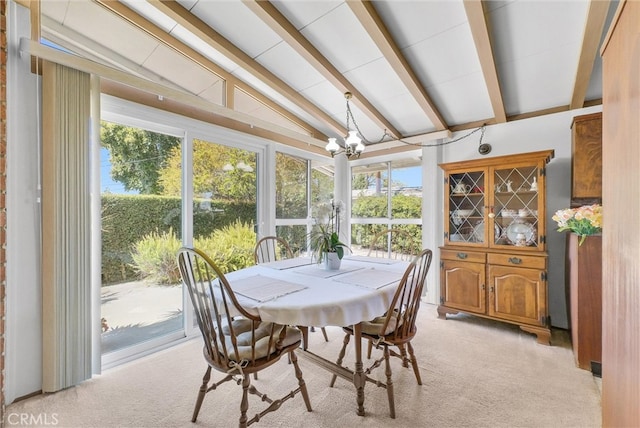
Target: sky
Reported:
[(106, 183), (410, 177)]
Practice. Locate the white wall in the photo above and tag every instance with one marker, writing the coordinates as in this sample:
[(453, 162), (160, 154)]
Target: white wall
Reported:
[(23, 345), (530, 135)]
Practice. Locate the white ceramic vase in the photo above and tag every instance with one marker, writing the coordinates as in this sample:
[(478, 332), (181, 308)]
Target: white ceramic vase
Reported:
[(332, 261)]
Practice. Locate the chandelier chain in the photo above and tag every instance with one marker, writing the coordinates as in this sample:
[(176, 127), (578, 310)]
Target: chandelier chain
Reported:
[(455, 140), (353, 119), (353, 142)]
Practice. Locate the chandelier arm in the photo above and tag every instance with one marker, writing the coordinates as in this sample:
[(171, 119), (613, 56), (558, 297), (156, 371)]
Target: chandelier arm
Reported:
[(353, 144)]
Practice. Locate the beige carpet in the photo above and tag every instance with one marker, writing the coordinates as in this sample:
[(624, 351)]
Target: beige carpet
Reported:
[(475, 372)]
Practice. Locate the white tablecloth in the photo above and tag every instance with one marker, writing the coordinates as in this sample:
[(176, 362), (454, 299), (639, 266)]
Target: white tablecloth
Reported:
[(324, 301)]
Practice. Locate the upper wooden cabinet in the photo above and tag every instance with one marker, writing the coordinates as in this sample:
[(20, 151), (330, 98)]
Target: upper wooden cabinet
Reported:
[(497, 202), (586, 155)]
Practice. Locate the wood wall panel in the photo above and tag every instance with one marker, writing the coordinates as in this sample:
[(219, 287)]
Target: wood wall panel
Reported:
[(586, 159), (621, 202), (3, 189)]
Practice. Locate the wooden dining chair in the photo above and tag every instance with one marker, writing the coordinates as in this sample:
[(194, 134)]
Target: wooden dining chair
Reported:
[(237, 343), (396, 327), (394, 244), (271, 249)]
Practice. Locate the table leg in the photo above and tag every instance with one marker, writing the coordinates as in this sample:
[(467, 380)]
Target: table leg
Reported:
[(358, 375), (305, 336)]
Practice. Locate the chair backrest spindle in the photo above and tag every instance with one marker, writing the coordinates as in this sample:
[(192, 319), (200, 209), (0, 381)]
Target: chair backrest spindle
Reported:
[(271, 249), (393, 243), (406, 301), (216, 307)]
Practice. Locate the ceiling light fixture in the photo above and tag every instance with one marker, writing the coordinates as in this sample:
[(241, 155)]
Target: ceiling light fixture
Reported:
[(241, 166), (353, 145)]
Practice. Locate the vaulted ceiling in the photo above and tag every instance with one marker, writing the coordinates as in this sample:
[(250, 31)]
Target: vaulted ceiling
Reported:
[(417, 69)]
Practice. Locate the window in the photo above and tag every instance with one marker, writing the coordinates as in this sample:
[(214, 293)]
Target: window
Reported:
[(301, 186), (385, 195)]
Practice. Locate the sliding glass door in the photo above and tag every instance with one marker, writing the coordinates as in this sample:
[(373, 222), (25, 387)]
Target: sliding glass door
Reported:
[(224, 203), (168, 181), (142, 299)]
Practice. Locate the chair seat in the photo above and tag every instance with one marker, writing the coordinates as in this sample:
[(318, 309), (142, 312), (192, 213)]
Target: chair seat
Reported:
[(374, 327), (244, 338)]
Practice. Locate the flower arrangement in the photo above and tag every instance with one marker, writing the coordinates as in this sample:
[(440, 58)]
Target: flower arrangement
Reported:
[(583, 221)]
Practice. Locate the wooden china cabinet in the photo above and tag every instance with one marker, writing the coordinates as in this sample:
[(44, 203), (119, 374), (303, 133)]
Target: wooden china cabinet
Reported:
[(494, 262)]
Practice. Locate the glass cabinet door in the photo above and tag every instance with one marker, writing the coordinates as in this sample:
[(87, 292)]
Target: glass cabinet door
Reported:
[(515, 206), (466, 207)]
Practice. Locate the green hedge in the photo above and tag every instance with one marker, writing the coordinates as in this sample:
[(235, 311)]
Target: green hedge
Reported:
[(402, 206), (126, 219)]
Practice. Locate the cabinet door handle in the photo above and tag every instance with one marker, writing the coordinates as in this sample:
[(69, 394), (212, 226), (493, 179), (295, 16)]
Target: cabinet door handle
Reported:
[(462, 255), (515, 260)]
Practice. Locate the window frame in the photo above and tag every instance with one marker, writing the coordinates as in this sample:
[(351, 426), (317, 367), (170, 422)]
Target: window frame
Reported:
[(388, 221)]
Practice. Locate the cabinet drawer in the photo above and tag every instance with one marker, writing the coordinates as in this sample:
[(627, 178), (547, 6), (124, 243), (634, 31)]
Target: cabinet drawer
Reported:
[(462, 255), (517, 260)]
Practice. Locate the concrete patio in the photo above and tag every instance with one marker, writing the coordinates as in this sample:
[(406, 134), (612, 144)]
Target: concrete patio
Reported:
[(138, 311)]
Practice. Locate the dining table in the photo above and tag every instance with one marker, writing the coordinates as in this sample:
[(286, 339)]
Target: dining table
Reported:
[(300, 292)]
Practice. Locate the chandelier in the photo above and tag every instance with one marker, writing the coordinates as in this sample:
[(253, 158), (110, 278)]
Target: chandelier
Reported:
[(353, 145)]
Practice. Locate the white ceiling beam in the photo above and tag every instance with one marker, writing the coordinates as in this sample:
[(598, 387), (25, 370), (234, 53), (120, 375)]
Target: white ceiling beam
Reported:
[(278, 23), (54, 55), (159, 34), (64, 36), (480, 33), (372, 23), (596, 17), (199, 28)]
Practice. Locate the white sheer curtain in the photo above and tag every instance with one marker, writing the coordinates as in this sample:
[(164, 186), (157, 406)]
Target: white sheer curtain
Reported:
[(66, 225)]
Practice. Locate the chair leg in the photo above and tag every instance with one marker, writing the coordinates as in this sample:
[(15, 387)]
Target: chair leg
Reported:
[(403, 353), (345, 342), (324, 333), (369, 348), (387, 371), (201, 393), (414, 363), (244, 404), (303, 386)]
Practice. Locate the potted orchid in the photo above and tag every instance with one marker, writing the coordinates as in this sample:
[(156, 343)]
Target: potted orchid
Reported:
[(583, 221), (325, 242)]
